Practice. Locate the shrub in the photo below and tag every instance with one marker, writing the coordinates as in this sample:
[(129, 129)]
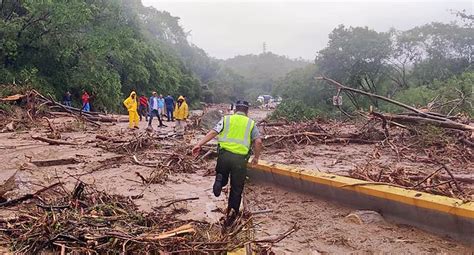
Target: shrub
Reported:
[(294, 111)]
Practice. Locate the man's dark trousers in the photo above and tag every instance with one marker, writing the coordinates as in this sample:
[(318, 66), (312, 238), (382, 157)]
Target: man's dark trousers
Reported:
[(234, 165), (155, 113), (169, 113)]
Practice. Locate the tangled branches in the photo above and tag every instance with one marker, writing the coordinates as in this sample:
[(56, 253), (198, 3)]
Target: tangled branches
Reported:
[(436, 182), (307, 133), (128, 145), (175, 161), (88, 220)]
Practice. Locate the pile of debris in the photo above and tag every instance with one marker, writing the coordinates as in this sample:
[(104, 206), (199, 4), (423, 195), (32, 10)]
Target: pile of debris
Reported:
[(90, 221), (175, 160), (313, 132), (125, 145), (36, 105), (440, 182)]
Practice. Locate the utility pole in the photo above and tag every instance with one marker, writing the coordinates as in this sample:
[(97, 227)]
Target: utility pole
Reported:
[(264, 47)]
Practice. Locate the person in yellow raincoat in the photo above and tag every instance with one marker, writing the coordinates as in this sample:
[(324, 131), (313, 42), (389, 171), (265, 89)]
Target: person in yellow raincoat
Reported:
[(180, 114), (132, 107)]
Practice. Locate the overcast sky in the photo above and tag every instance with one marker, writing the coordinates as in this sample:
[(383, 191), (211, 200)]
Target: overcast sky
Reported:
[(225, 29)]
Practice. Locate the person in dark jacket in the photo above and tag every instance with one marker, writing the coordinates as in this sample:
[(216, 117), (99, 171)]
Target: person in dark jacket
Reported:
[(67, 99), (169, 103)]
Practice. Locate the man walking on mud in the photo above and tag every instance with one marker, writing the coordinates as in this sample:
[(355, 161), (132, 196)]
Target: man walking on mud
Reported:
[(154, 105), (236, 133)]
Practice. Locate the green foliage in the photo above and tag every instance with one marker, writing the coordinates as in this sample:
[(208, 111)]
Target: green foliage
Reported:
[(434, 51), (105, 47), (355, 57), (455, 95), (429, 135), (427, 67), (415, 96), (7, 108), (300, 85), (294, 111), (447, 97), (7, 90), (226, 86)]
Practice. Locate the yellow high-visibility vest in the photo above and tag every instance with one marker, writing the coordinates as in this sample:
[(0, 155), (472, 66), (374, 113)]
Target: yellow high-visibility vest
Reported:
[(236, 136)]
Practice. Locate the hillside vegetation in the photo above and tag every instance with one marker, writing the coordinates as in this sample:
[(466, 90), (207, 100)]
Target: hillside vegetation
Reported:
[(429, 66)]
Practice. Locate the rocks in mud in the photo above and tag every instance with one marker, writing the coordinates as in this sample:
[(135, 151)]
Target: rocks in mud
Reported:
[(365, 217), (7, 185), (10, 127), (210, 118)]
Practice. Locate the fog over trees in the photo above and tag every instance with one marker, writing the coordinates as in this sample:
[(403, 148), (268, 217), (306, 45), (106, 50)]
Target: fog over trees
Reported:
[(110, 47)]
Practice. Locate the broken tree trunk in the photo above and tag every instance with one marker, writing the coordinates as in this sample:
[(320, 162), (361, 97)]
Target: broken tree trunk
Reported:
[(342, 87), (438, 123), (65, 108)]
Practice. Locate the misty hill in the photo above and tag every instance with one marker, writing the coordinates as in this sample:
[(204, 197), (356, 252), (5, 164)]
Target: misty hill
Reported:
[(262, 71)]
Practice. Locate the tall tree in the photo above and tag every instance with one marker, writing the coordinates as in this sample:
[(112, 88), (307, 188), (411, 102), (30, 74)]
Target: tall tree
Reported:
[(355, 56)]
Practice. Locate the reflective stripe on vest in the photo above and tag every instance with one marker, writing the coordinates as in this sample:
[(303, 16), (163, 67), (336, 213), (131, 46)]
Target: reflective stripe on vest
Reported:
[(238, 139)]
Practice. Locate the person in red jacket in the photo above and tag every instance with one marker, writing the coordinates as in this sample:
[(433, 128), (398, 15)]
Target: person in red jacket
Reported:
[(85, 102), (143, 107)]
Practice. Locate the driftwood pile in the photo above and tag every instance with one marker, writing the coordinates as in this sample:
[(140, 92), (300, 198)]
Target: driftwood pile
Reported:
[(125, 144), (37, 105), (312, 132), (90, 221)]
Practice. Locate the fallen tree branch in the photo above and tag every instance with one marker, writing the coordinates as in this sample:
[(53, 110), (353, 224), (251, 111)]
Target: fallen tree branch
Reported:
[(55, 162), (429, 118), (459, 178), (136, 161), (342, 87), (27, 196), (439, 123), (278, 238), (172, 202), (67, 110), (53, 141), (427, 177), (452, 177)]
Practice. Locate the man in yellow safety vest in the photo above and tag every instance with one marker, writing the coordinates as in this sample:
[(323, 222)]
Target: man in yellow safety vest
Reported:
[(236, 133)]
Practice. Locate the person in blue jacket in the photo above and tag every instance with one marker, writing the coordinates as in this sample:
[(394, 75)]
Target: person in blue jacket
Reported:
[(169, 102)]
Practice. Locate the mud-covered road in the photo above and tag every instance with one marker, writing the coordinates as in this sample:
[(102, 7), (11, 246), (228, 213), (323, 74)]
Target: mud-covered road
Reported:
[(322, 224)]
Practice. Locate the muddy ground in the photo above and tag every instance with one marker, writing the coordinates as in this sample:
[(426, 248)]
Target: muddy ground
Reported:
[(323, 226)]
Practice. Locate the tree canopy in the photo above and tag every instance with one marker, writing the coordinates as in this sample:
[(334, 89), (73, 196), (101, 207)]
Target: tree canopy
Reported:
[(103, 46), (426, 66)]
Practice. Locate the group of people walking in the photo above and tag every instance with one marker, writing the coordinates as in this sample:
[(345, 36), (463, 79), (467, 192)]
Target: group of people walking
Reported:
[(156, 106)]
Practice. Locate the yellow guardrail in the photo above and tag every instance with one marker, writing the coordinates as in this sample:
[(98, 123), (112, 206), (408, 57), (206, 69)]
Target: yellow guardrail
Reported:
[(385, 191)]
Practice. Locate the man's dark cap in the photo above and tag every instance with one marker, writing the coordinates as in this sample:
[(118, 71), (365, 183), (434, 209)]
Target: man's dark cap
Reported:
[(242, 103)]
